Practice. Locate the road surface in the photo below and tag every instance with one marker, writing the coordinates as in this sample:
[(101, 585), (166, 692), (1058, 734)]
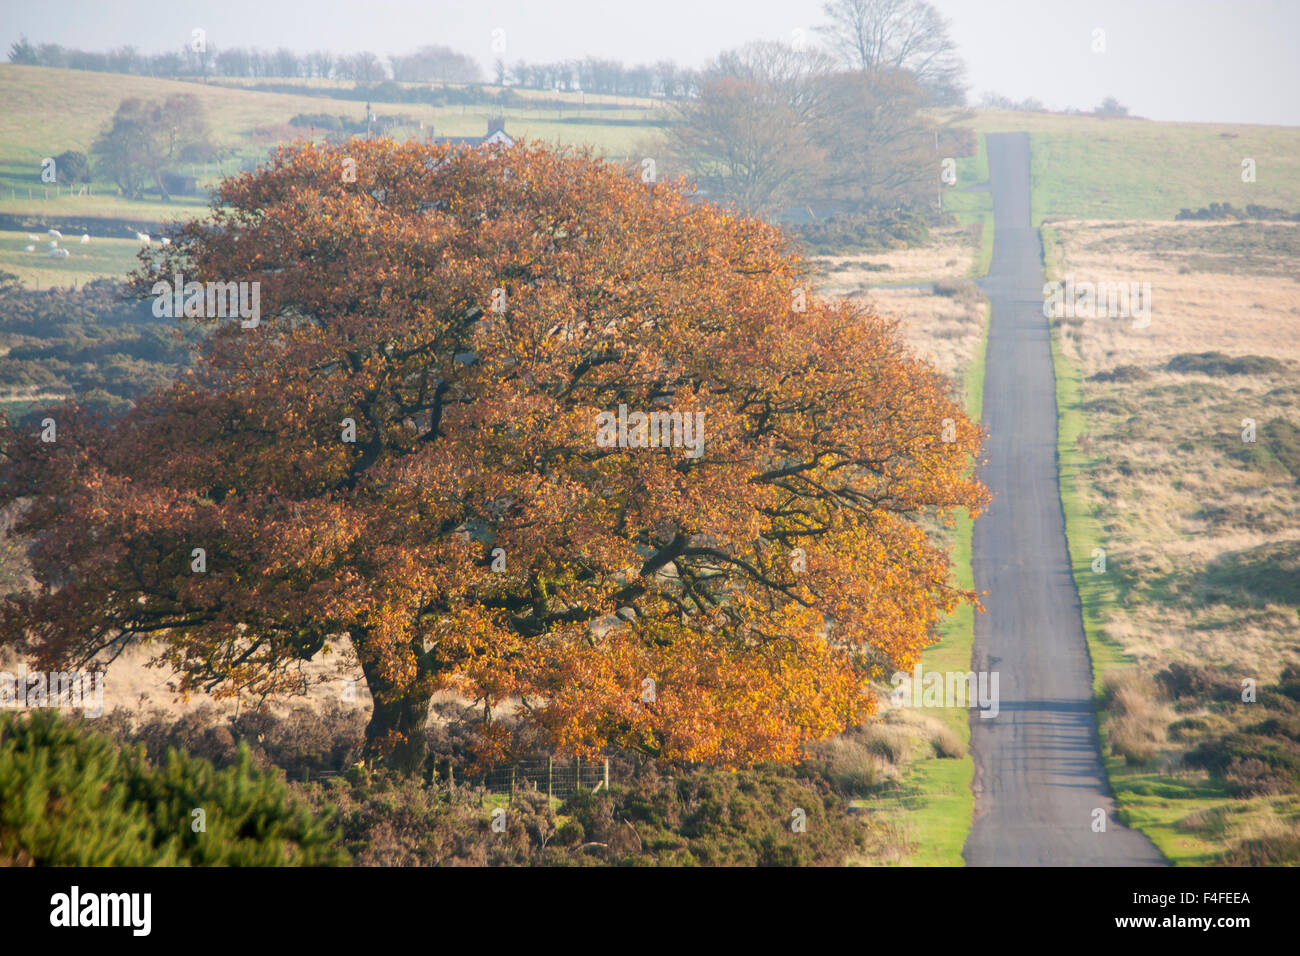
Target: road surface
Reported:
[(1038, 773)]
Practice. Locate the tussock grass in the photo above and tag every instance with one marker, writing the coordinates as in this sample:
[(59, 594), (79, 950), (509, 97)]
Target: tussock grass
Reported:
[(1136, 728)]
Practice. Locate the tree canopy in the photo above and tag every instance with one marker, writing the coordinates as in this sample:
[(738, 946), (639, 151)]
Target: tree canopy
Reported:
[(469, 314)]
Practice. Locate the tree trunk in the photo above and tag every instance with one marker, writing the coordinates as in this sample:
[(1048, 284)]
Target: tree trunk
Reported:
[(395, 735)]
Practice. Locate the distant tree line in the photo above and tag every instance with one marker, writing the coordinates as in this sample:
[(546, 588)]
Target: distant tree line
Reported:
[(870, 36), (1110, 106), (427, 64), (996, 101), (595, 75)]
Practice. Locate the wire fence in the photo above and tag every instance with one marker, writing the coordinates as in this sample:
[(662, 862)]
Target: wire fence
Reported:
[(556, 777)]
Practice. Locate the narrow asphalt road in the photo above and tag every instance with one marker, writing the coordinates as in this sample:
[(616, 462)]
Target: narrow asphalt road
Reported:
[(1038, 773)]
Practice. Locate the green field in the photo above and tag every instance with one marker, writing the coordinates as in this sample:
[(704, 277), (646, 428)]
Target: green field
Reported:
[(36, 124), (1089, 167), (97, 259)]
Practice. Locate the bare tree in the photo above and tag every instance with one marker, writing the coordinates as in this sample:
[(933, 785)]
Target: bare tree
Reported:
[(797, 76), (286, 63), (745, 146), (666, 74), (880, 150), (910, 35)]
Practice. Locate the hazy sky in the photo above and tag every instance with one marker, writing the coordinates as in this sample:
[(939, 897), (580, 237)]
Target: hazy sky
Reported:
[(1205, 60)]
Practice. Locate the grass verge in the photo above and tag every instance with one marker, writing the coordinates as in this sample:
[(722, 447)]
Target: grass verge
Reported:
[(931, 807)]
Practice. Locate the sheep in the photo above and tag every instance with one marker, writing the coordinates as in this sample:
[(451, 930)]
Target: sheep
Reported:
[(31, 238), (55, 233), (85, 238), (144, 239), (54, 243), (30, 249), (58, 253), (165, 241)]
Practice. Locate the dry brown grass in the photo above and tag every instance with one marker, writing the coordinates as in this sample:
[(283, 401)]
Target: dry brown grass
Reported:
[(1138, 720), (1172, 485), (1240, 312), (949, 256)]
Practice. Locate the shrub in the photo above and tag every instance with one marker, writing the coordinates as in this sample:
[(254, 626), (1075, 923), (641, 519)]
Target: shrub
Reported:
[(1179, 681), (1122, 373), (321, 121), (863, 232), (1129, 738), (88, 339), (892, 743), (300, 743), (715, 817), (1283, 440), (696, 817), (1226, 210), (1188, 728), (651, 816), (388, 819), (1217, 363), (1111, 107), (69, 797), (72, 167), (958, 141), (947, 744), (963, 290), (1258, 760)]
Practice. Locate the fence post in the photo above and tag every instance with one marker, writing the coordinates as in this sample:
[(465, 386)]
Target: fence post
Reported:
[(451, 775), (512, 784), (607, 775), (577, 773), (550, 778)]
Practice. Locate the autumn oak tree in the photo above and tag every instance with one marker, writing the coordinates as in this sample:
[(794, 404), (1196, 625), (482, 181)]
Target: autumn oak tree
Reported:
[(471, 312)]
